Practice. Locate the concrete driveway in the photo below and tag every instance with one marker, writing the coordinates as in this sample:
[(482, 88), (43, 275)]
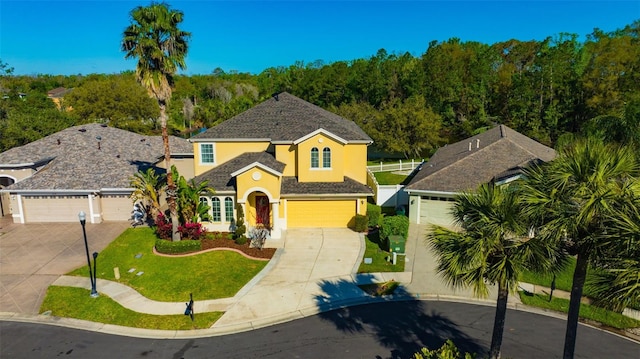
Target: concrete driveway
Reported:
[(32, 256)]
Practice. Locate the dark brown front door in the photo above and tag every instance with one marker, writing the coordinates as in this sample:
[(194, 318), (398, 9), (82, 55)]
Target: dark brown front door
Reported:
[(262, 210)]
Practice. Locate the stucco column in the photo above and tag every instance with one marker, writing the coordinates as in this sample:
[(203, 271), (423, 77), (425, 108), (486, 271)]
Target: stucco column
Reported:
[(276, 231)]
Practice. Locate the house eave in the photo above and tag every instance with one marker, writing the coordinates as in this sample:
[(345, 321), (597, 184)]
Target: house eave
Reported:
[(212, 139)]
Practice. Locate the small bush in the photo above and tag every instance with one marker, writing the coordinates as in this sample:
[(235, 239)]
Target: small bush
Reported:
[(163, 227), (241, 240), (184, 246), (192, 231), (241, 229), (398, 225), (374, 213), (361, 223)]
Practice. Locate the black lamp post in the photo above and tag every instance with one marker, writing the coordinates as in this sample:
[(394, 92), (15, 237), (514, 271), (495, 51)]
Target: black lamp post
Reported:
[(92, 274)]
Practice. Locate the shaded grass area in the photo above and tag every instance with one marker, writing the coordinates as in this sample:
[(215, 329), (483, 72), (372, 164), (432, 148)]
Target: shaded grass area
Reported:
[(211, 275), (76, 303), (389, 178), (377, 251), (564, 279), (606, 317)]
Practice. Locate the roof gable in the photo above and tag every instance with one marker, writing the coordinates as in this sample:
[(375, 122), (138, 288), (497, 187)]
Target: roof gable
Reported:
[(320, 131), (284, 118), (466, 164)]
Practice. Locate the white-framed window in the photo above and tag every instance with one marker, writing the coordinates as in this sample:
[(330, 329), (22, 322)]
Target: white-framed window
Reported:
[(228, 209), (326, 157), (207, 154), (215, 210), (315, 161)]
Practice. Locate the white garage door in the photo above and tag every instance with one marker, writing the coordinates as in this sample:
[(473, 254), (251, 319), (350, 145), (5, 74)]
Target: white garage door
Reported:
[(116, 207), (54, 208), (436, 211)]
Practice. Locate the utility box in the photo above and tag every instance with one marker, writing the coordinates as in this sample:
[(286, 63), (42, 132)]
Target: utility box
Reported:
[(397, 244)]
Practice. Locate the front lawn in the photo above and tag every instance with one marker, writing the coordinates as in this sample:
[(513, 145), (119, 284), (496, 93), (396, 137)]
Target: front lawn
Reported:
[(600, 315), (70, 302), (564, 279), (210, 275), (379, 256)]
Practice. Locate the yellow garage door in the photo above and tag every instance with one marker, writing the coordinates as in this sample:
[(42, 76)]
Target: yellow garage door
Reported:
[(320, 213)]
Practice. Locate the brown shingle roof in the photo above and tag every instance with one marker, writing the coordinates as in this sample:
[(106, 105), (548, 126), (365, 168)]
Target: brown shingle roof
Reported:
[(76, 163), (291, 186), (479, 159), (286, 118)]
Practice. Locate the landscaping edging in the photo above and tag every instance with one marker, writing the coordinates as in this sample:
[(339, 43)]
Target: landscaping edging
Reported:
[(209, 250)]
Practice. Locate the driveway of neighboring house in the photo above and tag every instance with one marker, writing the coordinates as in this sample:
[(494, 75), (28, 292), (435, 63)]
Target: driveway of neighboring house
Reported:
[(32, 256)]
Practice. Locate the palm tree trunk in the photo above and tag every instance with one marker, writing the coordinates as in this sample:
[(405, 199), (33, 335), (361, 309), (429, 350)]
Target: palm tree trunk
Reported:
[(171, 186), (498, 322), (579, 276)]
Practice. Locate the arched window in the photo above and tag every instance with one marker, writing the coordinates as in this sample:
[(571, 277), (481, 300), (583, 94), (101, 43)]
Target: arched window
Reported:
[(315, 163), (228, 209), (215, 209), (205, 201), (326, 157)]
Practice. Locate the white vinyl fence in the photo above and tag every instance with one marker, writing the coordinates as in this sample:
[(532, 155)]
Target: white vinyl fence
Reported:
[(407, 165)]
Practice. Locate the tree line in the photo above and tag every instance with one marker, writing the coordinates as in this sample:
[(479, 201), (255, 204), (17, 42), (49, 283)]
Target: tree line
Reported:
[(546, 89)]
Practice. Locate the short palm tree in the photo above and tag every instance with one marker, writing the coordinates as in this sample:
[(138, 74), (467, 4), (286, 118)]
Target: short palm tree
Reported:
[(573, 201), (147, 187), (190, 208), (153, 37), (491, 248)]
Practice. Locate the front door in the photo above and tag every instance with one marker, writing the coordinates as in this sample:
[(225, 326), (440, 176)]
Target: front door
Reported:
[(262, 211)]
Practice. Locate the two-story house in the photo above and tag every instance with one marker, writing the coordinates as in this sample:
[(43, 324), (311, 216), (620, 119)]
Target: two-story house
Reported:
[(288, 163)]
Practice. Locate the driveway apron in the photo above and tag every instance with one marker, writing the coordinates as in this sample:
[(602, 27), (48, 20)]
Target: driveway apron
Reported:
[(310, 257), (32, 256)]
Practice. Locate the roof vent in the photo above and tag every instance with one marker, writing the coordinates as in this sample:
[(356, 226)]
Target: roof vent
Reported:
[(104, 125), (275, 96), (59, 142), (83, 130), (478, 143), (470, 146)]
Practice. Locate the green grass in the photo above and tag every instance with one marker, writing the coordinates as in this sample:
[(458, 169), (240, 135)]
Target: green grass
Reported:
[(211, 275), (379, 262), (389, 178), (564, 279), (70, 302), (606, 317)]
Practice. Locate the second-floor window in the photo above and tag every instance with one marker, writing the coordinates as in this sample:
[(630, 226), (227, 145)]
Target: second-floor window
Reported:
[(326, 157), (206, 153), (315, 161)]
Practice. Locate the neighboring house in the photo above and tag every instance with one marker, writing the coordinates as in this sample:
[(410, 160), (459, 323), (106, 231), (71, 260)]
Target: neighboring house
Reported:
[(57, 95), (498, 155), (288, 163), (82, 168)]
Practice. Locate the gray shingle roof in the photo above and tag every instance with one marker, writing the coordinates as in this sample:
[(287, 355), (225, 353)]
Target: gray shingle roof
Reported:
[(77, 162), (479, 159), (291, 186), (220, 177), (286, 118)]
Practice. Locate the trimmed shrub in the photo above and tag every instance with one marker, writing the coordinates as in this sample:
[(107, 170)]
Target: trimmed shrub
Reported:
[(191, 230), (374, 212), (398, 225), (184, 246), (163, 227), (241, 229), (241, 240), (360, 223)]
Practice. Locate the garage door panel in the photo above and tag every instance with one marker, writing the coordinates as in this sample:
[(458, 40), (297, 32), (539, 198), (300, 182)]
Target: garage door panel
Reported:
[(116, 207), (54, 208), (320, 213), (436, 212)]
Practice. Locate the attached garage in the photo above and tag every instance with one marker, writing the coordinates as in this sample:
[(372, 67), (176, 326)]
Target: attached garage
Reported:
[(53, 208), (334, 213), (436, 210)]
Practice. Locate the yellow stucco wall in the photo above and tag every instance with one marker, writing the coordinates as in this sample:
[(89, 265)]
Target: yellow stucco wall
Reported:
[(260, 180), (355, 162), (223, 152), (308, 174), (287, 155)]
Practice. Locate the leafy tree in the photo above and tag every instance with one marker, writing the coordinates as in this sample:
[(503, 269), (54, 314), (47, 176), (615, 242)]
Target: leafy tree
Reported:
[(572, 201), (491, 249), (153, 37)]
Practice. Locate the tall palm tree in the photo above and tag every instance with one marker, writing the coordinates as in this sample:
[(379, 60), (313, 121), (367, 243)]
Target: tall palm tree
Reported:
[(492, 248), (572, 202), (153, 37)]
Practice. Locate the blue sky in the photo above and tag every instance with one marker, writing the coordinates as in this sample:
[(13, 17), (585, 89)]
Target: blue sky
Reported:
[(83, 37)]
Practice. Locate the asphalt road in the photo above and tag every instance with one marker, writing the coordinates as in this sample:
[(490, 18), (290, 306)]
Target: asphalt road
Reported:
[(387, 330)]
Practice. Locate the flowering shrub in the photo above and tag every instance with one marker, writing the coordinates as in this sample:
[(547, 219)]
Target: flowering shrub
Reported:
[(191, 230), (163, 227)]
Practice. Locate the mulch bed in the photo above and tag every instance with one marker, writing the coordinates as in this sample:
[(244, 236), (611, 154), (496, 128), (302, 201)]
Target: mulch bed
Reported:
[(266, 253)]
